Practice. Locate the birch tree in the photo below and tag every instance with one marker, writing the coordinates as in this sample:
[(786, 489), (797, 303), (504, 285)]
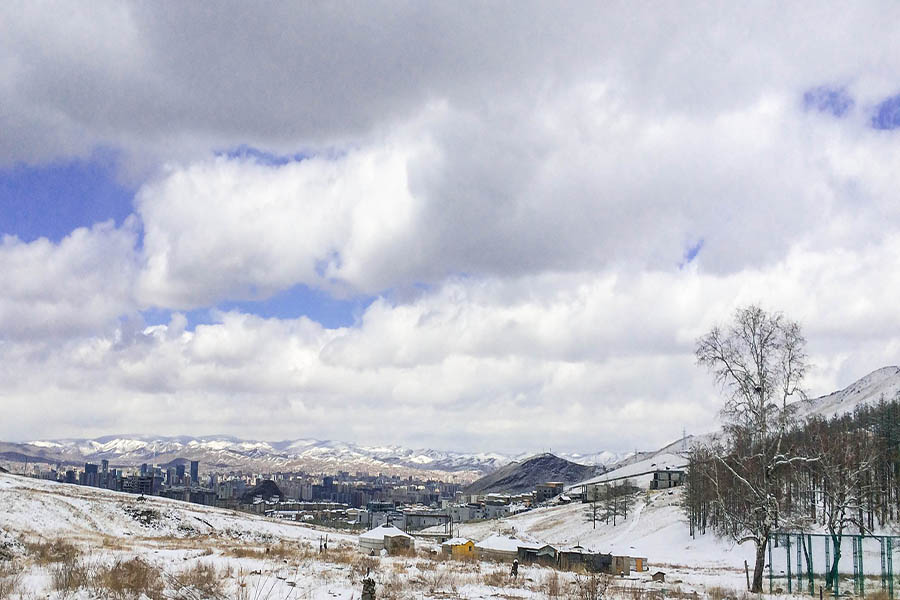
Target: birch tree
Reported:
[(759, 361)]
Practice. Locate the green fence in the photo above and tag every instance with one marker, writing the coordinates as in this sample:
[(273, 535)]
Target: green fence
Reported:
[(800, 563)]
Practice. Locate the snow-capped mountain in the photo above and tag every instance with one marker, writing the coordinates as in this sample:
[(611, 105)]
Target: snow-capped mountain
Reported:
[(229, 453), (882, 383)]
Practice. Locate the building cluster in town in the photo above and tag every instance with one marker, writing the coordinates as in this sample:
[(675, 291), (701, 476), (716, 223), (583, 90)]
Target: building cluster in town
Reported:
[(339, 500), (390, 510)]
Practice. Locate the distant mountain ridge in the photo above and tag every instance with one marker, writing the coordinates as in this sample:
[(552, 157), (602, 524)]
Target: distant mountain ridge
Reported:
[(523, 476), (881, 383), (223, 452)]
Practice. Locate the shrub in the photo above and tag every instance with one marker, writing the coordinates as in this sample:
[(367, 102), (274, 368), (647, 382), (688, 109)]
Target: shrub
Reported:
[(198, 582), (70, 576), (495, 578), (590, 587), (127, 580), (551, 585), (10, 578), (54, 551)]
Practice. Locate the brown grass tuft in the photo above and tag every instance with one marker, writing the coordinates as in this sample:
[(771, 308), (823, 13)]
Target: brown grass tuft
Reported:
[(10, 578), (53, 551), (128, 579), (199, 582)]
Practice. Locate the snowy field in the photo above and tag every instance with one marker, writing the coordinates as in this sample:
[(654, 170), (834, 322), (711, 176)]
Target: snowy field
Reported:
[(63, 541)]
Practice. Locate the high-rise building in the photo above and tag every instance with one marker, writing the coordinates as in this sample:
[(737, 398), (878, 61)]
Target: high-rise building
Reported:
[(91, 477), (179, 474), (195, 472), (104, 466), (144, 469)]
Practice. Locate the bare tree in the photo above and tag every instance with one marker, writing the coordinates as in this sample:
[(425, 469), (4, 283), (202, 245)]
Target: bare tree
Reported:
[(846, 461), (760, 362)]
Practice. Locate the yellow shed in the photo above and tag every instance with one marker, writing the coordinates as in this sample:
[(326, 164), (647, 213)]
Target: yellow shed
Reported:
[(458, 547)]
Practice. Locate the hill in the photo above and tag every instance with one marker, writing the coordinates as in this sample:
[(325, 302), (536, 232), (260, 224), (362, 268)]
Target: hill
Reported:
[(881, 383), (525, 475)]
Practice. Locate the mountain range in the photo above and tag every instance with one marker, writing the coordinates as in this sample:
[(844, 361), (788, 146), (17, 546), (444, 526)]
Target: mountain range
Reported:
[(227, 453)]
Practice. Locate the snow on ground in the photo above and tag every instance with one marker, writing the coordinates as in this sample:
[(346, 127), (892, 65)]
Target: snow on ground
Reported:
[(49, 509), (633, 469), (655, 530), (254, 557)]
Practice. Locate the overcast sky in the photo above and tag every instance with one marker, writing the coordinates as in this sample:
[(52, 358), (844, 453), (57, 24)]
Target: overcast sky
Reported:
[(472, 226)]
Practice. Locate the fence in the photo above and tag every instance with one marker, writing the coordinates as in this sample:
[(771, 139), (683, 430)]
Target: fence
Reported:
[(794, 558)]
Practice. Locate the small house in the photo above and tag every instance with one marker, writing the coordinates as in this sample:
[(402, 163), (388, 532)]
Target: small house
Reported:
[(459, 547), (500, 548), (384, 537), (579, 558), (659, 576), (538, 555)]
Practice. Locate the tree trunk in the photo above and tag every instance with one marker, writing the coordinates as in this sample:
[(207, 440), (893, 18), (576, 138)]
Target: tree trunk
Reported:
[(760, 565), (832, 573)]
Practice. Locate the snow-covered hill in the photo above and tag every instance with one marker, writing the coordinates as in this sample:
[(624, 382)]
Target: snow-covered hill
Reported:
[(882, 383), (868, 390), (46, 509)]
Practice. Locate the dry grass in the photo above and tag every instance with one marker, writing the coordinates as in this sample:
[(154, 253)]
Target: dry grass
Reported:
[(496, 578), (282, 551), (52, 551), (552, 588), (590, 587), (10, 578), (723, 593), (197, 583), (394, 588), (128, 579), (69, 576), (364, 565)]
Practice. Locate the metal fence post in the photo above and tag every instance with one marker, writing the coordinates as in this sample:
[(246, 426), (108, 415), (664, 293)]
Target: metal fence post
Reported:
[(787, 550), (809, 566), (862, 580), (771, 567)]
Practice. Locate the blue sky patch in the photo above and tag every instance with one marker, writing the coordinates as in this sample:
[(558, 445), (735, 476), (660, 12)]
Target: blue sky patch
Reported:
[(691, 253), (887, 114), (261, 156), (52, 200), (835, 101), (299, 300)]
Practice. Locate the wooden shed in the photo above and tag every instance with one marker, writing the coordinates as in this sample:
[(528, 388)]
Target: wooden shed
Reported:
[(459, 547), (545, 555), (579, 558)]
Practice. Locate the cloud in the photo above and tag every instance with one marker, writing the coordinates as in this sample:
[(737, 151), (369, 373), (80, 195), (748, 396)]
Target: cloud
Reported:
[(82, 284), (522, 188), (174, 81), (585, 360)]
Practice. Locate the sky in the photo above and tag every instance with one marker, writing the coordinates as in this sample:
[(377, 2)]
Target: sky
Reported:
[(467, 226)]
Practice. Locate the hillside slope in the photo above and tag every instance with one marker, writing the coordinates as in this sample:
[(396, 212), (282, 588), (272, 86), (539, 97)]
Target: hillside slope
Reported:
[(881, 383), (525, 475), (33, 507)]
